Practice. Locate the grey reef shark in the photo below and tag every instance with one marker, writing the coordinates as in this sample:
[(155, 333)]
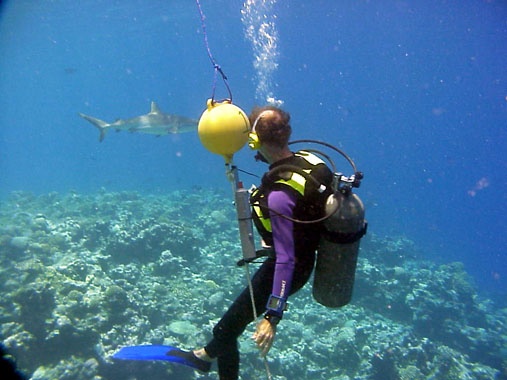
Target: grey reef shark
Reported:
[(155, 122)]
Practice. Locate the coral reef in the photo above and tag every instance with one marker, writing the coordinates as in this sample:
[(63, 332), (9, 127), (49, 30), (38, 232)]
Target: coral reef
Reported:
[(83, 275)]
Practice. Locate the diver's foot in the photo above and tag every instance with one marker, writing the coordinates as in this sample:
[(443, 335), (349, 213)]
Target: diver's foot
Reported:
[(203, 355), (191, 359)]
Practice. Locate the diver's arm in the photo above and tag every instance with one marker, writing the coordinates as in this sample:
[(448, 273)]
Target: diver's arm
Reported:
[(282, 203)]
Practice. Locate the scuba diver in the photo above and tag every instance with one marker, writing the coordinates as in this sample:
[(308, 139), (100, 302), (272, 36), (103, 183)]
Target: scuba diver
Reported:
[(307, 217), (294, 190)]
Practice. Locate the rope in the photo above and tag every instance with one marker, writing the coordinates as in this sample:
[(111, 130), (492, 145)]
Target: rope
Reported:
[(231, 171), (232, 175), (252, 298), (216, 66)]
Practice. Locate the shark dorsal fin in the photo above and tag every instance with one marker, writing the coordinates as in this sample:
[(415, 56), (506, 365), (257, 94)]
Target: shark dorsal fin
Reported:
[(154, 108)]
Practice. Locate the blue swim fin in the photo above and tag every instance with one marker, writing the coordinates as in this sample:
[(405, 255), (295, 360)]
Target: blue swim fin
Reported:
[(167, 353)]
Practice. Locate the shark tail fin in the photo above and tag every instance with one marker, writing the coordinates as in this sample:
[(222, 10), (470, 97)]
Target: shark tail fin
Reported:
[(100, 124)]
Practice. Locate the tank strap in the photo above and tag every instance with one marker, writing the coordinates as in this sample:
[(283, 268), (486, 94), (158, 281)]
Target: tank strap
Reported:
[(345, 238), (265, 252)]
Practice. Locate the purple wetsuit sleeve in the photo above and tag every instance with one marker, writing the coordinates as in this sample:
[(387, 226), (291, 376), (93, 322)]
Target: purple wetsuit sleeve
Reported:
[(281, 202)]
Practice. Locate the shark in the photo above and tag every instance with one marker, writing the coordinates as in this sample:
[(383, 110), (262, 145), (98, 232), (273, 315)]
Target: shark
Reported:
[(155, 122)]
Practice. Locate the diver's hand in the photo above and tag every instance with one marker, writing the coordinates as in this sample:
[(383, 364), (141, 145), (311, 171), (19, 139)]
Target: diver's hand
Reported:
[(264, 336)]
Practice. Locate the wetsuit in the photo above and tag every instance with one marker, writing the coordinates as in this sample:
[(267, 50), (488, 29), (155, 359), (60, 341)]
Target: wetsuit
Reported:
[(294, 245)]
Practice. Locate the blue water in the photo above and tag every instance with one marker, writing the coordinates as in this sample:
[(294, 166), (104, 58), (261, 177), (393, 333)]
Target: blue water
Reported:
[(415, 92)]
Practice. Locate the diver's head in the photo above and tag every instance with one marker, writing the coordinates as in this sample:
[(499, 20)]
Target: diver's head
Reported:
[(270, 133), (270, 126)]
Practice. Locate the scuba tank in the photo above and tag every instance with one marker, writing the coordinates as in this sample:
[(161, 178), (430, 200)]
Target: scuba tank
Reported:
[(338, 249), (342, 229)]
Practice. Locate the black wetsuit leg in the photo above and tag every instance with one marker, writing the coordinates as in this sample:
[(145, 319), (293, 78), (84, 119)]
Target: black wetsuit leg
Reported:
[(224, 345)]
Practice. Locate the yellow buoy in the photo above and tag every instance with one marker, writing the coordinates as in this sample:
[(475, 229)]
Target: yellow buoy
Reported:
[(223, 128)]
